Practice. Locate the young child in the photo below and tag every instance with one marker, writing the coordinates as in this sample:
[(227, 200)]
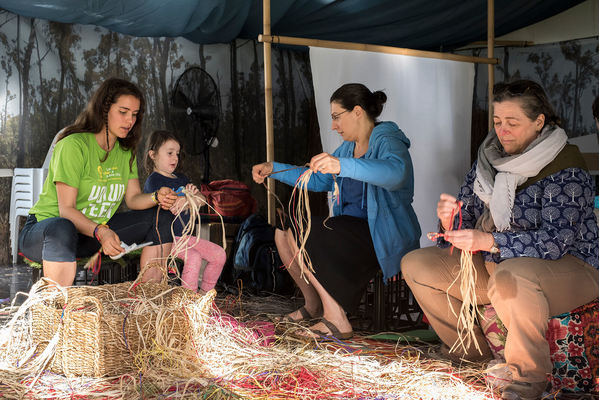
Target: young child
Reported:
[(161, 159)]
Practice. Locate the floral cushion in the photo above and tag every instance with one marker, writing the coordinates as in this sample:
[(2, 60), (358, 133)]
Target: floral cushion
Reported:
[(573, 344), (494, 330), (574, 347)]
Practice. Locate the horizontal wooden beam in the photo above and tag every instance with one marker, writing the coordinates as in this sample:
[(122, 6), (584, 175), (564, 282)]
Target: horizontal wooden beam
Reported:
[(503, 43), (373, 47)]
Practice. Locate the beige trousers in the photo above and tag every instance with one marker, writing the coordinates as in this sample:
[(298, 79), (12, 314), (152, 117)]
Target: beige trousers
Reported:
[(524, 291)]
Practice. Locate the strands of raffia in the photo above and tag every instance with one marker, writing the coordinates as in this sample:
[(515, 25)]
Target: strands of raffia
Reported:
[(281, 210), (159, 356), (467, 317), (191, 205), (301, 218), (224, 361), (468, 313), (94, 262), (309, 370)]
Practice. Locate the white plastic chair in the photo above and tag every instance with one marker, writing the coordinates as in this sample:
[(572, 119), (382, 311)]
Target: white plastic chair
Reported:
[(27, 184), (26, 187), (46, 163)]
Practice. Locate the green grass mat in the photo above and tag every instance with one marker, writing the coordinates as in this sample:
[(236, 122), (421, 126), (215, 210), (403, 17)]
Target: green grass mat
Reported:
[(422, 335)]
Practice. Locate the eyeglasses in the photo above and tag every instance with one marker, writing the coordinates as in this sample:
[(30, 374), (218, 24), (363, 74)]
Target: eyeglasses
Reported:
[(335, 117)]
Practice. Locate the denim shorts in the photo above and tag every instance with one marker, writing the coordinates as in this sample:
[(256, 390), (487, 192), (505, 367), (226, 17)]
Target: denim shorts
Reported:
[(57, 239)]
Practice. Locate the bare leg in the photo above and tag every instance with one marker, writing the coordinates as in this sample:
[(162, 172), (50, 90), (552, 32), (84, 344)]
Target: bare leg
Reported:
[(332, 311), (314, 293), (149, 254), (62, 273), (287, 250)]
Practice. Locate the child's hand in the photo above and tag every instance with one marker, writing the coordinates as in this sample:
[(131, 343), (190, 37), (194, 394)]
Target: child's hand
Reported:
[(191, 188), (178, 206)]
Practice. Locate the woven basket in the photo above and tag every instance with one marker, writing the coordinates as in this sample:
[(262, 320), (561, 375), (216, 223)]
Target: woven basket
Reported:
[(102, 329)]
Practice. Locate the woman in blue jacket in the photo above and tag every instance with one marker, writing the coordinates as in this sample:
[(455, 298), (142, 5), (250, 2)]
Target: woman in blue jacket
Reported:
[(373, 223)]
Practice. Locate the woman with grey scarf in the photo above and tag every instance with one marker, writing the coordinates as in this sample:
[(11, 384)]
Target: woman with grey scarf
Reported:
[(527, 216)]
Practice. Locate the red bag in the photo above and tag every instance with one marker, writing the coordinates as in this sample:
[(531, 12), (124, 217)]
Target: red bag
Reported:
[(229, 198)]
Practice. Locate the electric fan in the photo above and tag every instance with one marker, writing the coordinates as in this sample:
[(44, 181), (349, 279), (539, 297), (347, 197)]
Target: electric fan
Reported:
[(195, 113)]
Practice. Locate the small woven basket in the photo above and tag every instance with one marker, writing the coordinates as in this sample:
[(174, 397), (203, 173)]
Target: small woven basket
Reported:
[(102, 329)]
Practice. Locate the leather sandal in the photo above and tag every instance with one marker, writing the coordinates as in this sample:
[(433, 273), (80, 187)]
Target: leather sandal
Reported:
[(286, 319), (334, 331)]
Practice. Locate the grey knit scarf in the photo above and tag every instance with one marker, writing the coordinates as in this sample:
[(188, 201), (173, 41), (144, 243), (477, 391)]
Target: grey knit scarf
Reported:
[(498, 174)]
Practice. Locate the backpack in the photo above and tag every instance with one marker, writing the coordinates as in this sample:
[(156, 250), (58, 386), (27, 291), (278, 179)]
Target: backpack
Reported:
[(229, 198), (256, 260)]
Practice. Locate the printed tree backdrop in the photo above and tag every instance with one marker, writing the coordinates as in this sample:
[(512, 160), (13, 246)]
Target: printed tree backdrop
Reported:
[(49, 71), (568, 71)]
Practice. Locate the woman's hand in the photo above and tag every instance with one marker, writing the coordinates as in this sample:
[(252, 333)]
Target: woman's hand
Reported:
[(111, 244), (446, 207), (325, 163), (166, 197), (261, 171), (470, 239)]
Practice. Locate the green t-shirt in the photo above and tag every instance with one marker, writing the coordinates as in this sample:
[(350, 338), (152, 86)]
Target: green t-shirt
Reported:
[(101, 185)]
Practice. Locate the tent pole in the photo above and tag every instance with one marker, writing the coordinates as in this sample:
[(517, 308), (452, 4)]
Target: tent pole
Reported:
[(372, 47), (270, 141), (490, 54)]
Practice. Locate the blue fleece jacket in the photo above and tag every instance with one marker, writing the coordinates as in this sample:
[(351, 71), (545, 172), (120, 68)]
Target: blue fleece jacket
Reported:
[(388, 177)]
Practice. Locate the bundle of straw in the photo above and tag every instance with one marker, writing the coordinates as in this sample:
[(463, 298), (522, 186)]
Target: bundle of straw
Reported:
[(468, 313), (223, 361)]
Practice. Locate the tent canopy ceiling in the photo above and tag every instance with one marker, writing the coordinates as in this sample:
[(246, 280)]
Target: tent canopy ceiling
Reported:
[(438, 25)]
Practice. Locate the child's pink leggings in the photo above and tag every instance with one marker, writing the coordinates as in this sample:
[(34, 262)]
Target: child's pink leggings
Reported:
[(197, 250)]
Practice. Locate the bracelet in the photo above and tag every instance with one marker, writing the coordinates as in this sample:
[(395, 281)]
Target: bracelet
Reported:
[(96, 231), (155, 197)]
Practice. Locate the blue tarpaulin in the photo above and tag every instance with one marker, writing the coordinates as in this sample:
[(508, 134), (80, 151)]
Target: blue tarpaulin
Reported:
[(439, 25)]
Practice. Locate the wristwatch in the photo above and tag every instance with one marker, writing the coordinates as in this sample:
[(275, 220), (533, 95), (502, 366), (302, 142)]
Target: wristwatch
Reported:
[(494, 248)]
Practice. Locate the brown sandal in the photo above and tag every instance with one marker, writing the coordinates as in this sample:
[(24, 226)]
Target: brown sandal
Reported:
[(334, 331), (286, 319)]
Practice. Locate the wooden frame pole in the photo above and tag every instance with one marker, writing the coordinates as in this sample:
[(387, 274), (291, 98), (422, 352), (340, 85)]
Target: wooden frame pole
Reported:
[(490, 54), (270, 141), (268, 39), (372, 47)]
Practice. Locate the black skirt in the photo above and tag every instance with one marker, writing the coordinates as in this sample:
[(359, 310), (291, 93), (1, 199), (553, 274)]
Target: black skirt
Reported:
[(343, 258)]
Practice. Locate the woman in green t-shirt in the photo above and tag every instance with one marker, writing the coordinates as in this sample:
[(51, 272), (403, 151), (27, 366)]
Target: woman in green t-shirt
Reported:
[(93, 167)]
